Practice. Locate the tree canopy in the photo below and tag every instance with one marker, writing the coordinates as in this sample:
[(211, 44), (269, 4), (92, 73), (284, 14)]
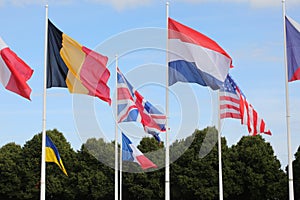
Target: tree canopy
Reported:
[(250, 170)]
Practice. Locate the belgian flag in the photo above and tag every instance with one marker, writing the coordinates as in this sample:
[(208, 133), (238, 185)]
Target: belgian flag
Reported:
[(71, 65)]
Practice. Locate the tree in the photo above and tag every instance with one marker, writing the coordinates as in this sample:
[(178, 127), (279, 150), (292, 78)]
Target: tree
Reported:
[(58, 185), (10, 170), (145, 184), (250, 170), (95, 177), (296, 174), (256, 171), (195, 177)]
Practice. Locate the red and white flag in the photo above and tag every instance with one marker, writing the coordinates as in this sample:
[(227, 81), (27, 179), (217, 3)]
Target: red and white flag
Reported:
[(14, 72)]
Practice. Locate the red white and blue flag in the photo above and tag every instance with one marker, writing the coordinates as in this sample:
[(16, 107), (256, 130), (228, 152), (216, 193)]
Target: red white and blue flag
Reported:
[(293, 48), (133, 154), (14, 72), (127, 109), (133, 107), (195, 58), (233, 104)]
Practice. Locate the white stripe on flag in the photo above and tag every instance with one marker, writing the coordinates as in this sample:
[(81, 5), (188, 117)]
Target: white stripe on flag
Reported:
[(205, 59)]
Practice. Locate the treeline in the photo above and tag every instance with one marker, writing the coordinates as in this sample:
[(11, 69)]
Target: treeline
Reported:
[(250, 170)]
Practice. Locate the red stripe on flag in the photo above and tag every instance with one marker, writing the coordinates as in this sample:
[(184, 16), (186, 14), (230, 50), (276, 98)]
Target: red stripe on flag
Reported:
[(124, 94), (229, 106), (230, 115), (189, 35), (228, 98), (145, 162)]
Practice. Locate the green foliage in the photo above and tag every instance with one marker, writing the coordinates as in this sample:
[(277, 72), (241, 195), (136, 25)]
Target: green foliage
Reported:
[(296, 174), (10, 171), (250, 170), (256, 170), (194, 177), (148, 144), (94, 179), (102, 151)]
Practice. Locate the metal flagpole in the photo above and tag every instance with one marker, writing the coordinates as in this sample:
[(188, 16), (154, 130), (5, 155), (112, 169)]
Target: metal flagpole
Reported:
[(121, 168), (116, 137), (121, 163), (43, 159), (167, 175), (220, 151), (290, 161)]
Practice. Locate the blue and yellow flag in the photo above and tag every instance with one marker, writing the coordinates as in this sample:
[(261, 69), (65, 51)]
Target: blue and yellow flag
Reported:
[(52, 154)]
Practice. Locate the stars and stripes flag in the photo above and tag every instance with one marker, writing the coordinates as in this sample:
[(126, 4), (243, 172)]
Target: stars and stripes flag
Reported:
[(133, 107), (233, 104)]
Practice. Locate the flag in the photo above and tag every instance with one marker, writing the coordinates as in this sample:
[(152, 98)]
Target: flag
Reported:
[(52, 154), (76, 67), (230, 100), (133, 154), (14, 72), (233, 104), (127, 109), (195, 58), (293, 48), (133, 107)]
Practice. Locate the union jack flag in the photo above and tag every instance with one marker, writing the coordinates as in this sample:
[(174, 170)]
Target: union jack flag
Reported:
[(133, 107), (233, 104)]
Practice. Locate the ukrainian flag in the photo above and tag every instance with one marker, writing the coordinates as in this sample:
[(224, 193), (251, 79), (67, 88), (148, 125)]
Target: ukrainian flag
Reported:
[(52, 154)]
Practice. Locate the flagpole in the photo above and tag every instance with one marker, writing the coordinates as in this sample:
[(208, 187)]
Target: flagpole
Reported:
[(116, 136), (290, 159), (220, 150), (43, 159), (121, 168), (121, 138), (121, 160), (167, 175)]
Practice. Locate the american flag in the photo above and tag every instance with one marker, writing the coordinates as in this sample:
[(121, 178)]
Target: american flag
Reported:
[(233, 104), (133, 107)]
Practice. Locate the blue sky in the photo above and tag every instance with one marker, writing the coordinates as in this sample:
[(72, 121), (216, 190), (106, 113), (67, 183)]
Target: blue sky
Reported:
[(251, 31)]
